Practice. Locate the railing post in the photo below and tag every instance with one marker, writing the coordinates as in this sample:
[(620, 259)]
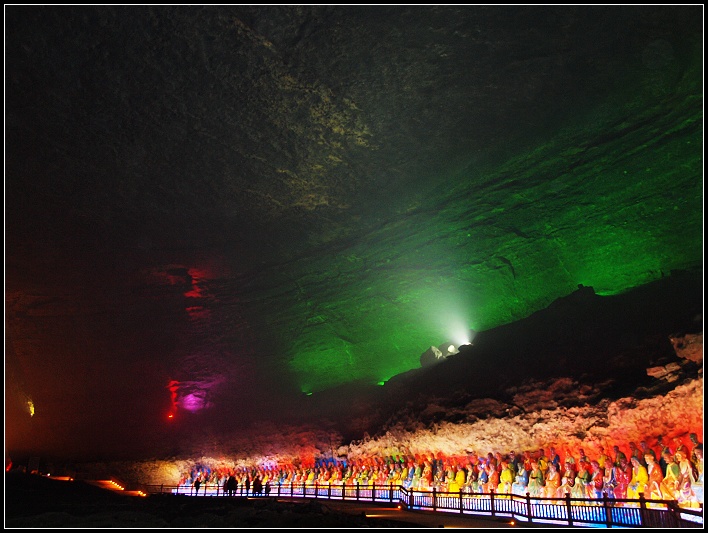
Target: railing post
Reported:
[(673, 513), (410, 499), (462, 507), (357, 491), (279, 485), (390, 492), (344, 490), (569, 509), (608, 511), (529, 509), (292, 489), (435, 499), (491, 501), (329, 491), (317, 488), (642, 510)]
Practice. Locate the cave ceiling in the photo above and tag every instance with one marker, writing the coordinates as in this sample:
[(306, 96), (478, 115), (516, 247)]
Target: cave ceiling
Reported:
[(205, 203)]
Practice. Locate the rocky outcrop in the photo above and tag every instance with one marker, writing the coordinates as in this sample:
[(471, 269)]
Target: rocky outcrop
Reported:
[(689, 346)]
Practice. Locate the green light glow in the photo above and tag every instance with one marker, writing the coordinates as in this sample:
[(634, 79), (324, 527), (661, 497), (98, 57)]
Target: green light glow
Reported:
[(613, 208)]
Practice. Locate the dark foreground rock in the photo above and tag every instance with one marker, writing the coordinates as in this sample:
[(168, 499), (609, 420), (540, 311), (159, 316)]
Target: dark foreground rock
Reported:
[(36, 501)]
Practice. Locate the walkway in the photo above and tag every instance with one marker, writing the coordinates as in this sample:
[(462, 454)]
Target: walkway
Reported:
[(416, 518)]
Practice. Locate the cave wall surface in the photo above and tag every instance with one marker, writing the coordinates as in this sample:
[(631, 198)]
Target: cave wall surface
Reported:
[(210, 207)]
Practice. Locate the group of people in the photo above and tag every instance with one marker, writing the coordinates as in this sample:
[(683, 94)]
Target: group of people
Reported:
[(250, 482), (662, 474)]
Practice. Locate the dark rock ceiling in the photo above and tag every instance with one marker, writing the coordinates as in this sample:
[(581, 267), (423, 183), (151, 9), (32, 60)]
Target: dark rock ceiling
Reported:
[(246, 200)]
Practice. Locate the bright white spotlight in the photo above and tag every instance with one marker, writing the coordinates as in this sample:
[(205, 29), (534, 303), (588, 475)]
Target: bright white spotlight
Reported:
[(460, 333)]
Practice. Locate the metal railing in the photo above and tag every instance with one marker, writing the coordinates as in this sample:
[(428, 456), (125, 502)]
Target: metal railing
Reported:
[(602, 512)]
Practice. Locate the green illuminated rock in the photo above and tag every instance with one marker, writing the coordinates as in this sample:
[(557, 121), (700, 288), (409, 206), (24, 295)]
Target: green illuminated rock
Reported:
[(612, 206)]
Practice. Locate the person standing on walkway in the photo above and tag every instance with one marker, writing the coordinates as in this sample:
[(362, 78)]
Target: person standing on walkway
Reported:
[(231, 485)]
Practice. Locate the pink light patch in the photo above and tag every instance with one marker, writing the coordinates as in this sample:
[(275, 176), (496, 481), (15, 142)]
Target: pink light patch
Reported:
[(193, 396), (194, 403)]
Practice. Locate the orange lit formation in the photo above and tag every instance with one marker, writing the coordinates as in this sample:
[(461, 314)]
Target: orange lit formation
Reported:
[(663, 472)]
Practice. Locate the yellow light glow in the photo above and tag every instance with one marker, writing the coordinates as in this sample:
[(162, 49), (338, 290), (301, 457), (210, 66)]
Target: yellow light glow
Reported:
[(30, 407)]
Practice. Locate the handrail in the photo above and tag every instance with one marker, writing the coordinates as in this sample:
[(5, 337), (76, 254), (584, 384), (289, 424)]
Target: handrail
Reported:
[(605, 511)]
